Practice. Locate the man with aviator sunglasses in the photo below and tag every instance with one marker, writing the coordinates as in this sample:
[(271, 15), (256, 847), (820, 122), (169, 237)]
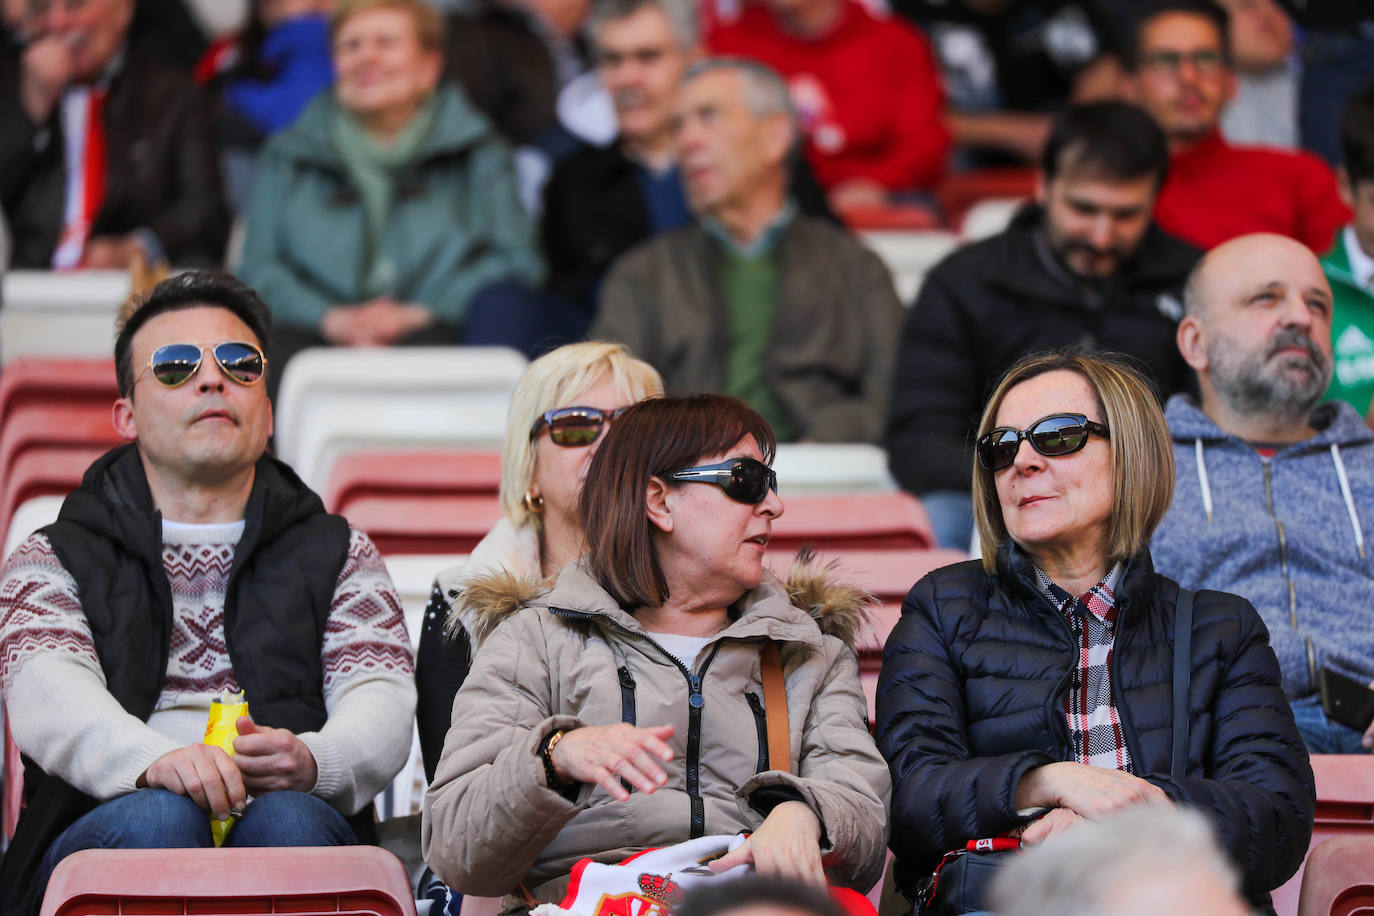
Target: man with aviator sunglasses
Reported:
[(189, 563)]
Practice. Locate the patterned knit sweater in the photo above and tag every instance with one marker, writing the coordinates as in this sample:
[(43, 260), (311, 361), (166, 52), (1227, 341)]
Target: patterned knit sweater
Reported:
[(64, 718)]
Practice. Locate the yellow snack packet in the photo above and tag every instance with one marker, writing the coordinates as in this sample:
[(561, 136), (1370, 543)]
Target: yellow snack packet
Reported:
[(220, 731)]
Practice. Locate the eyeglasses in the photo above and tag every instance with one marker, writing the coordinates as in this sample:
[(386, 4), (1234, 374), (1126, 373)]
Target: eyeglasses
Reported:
[(745, 480), (174, 364), (574, 427), (1207, 61), (1052, 436)]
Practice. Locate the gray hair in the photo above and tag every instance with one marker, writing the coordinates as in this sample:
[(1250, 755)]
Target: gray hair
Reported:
[(681, 16), (765, 93), (1073, 873)]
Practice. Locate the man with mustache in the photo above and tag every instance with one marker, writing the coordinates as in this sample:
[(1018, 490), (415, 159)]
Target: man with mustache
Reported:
[(1274, 498), (105, 154), (189, 563), (1084, 264), (1182, 74)]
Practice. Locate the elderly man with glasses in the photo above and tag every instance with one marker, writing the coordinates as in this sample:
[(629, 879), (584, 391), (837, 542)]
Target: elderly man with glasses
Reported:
[(1183, 76), (187, 564)]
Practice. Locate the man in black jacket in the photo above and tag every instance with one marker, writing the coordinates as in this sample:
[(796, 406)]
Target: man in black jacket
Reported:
[(186, 564), (104, 152), (1083, 265)]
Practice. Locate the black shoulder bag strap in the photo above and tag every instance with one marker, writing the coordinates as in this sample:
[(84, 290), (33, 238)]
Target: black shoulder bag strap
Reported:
[(1183, 675)]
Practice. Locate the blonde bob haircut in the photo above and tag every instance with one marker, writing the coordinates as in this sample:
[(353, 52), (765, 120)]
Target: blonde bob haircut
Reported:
[(1142, 452), (429, 23), (558, 379)]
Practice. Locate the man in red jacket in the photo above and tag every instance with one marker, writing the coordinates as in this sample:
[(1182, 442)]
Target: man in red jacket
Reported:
[(866, 91), (1183, 76)]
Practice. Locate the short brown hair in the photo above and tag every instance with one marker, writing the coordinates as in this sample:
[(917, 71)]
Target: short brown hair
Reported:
[(429, 23), (652, 439), (1142, 452)]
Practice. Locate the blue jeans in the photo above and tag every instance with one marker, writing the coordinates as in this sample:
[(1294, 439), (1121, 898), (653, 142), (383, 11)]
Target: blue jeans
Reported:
[(158, 819), (951, 515), (1320, 734)]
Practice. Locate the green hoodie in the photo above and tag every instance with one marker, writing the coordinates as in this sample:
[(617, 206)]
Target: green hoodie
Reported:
[(454, 223), (1352, 331)]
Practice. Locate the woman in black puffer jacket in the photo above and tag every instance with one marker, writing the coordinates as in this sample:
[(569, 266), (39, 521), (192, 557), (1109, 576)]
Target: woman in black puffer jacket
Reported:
[(1040, 680)]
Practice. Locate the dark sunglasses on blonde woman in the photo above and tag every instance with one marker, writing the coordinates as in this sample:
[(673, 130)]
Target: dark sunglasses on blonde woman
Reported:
[(1052, 436), (574, 427), (172, 365)]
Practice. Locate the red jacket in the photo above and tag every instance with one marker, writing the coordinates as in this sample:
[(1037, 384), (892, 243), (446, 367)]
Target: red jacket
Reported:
[(1216, 191), (867, 93)]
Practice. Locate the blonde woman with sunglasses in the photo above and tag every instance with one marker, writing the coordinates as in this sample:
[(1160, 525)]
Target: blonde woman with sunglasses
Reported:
[(556, 421)]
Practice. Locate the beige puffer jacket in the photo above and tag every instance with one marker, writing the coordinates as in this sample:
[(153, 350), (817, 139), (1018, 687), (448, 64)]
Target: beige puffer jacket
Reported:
[(490, 820)]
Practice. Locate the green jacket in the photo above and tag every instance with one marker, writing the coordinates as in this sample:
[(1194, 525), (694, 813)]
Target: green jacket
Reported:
[(456, 223), (1352, 331)]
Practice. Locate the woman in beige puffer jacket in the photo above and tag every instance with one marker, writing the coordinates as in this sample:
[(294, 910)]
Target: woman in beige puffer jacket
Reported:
[(574, 659)]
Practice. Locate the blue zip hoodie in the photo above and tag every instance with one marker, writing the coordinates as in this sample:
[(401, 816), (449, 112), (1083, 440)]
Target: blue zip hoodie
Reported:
[(1294, 533)]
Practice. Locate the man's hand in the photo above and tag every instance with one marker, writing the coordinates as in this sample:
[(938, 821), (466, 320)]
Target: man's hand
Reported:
[(787, 844), (605, 754), (202, 773), (44, 73), (1085, 790), (273, 759), (110, 252), (1055, 821), (378, 322)]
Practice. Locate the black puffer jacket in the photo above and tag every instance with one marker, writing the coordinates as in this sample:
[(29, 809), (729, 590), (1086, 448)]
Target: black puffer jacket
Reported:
[(971, 694)]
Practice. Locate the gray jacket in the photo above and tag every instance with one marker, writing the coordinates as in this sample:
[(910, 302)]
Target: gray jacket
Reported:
[(834, 340), (1293, 533)]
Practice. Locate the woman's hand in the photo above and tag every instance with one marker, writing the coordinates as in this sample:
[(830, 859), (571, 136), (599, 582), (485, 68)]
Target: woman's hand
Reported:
[(1085, 790), (1054, 821), (787, 843), (606, 754)]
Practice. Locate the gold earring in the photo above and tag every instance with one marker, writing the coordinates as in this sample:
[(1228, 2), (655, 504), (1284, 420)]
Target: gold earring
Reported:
[(533, 502)]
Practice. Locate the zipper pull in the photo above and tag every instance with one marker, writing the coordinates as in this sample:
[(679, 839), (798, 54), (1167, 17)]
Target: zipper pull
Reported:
[(695, 699)]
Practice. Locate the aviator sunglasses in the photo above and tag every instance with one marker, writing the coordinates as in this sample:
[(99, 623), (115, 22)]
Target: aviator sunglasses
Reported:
[(745, 480), (573, 427), (173, 364), (1052, 436)]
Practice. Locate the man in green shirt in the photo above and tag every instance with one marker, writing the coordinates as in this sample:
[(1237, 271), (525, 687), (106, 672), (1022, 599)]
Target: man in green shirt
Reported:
[(789, 313), (1349, 265)]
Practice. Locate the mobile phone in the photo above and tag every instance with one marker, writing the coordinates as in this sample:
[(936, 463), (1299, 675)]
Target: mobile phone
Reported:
[(1346, 700)]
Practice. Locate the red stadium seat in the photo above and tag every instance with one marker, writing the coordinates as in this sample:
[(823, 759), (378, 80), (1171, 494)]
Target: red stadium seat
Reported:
[(442, 523), (960, 191), (61, 424), (307, 881), (855, 521), (891, 218), (43, 471), (1345, 808), (1339, 878), (43, 382), (368, 474)]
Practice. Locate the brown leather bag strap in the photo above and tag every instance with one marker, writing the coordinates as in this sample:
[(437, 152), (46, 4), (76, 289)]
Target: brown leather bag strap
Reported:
[(775, 709)]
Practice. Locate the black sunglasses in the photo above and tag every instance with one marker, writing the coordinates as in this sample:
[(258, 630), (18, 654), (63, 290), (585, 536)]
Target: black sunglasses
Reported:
[(745, 480), (574, 427), (174, 364), (1052, 436)]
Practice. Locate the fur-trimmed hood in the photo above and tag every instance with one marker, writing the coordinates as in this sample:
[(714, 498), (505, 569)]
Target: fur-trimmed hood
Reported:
[(489, 598)]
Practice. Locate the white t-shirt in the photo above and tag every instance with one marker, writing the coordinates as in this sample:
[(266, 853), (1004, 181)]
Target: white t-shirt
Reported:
[(682, 648)]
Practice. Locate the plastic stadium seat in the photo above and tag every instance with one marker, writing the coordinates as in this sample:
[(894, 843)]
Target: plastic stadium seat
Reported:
[(891, 521), (910, 255), (442, 524), (832, 467), (1339, 878), (1345, 807), (364, 474), (958, 192), (891, 217), (31, 515), (69, 313), (44, 382), (307, 881), (989, 217), (340, 400), (40, 472)]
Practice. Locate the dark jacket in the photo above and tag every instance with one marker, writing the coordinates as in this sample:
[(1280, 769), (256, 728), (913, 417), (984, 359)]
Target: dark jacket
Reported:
[(829, 356), (505, 68), (987, 305), (108, 537), (594, 211), (162, 171), (971, 697)]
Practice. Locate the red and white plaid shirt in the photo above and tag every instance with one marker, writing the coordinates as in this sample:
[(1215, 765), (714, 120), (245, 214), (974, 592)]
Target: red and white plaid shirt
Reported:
[(1094, 725)]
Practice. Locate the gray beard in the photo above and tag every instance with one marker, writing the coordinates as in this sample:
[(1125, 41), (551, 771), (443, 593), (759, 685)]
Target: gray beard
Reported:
[(1254, 383)]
